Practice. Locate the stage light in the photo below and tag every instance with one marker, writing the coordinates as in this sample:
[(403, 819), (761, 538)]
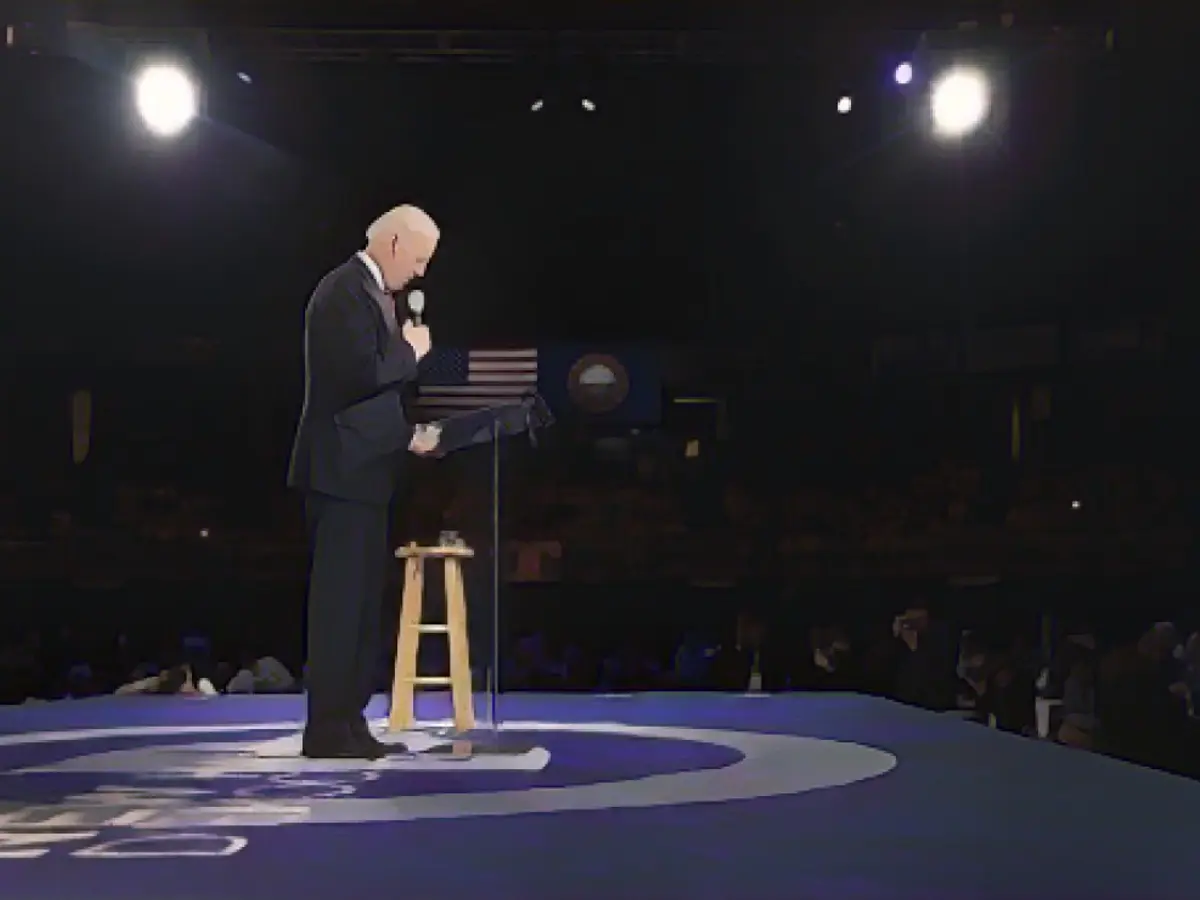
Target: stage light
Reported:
[(959, 102), (904, 73), (588, 105), (245, 78), (537, 105), (167, 99), (844, 105)]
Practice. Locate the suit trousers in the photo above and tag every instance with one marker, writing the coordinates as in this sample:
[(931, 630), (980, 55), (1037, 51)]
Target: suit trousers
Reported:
[(350, 557)]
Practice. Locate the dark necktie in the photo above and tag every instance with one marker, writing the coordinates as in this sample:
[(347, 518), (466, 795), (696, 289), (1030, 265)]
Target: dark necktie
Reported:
[(388, 305)]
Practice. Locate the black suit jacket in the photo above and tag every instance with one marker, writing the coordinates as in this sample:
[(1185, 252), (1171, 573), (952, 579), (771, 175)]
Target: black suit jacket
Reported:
[(352, 427)]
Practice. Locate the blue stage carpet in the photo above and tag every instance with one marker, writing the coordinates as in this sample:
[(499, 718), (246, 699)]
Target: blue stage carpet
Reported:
[(663, 796)]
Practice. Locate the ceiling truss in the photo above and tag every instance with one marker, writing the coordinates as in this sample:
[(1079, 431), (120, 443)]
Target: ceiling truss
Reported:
[(528, 46)]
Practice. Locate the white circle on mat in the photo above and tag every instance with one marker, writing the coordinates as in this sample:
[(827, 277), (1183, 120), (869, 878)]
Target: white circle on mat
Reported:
[(772, 765)]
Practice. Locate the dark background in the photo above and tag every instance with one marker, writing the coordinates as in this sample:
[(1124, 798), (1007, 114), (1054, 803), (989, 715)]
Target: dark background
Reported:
[(714, 205)]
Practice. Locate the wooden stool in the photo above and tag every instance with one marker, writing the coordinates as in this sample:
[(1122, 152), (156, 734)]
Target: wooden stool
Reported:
[(406, 680)]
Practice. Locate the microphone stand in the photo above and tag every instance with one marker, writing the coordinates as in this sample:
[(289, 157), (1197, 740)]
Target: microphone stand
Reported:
[(471, 429), (494, 681)]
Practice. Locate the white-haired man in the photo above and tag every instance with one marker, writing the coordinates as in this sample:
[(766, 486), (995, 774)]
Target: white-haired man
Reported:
[(351, 435)]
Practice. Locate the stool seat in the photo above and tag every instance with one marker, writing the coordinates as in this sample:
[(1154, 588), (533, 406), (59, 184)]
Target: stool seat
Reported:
[(412, 551), (405, 679)]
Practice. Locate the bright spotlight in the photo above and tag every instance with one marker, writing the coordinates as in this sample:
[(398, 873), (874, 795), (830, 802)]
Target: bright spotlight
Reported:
[(904, 73), (844, 105), (167, 99), (959, 102), (588, 105), (537, 105)]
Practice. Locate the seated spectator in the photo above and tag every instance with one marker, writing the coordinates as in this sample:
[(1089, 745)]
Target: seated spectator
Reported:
[(81, 682), (830, 665), (1079, 720), (731, 668), (175, 680), (532, 666), (1000, 692), (1073, 674), (629, 669), (738, 666), (879, 663), (579, 669), (694, 662), (19, 672), (1141, 702), (925, 674), (1078, 642), (264, 676), (1191, 671), (972, 675)]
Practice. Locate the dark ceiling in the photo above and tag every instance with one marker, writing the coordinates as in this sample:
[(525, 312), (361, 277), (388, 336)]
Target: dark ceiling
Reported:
[(855, 14), (706, 197)]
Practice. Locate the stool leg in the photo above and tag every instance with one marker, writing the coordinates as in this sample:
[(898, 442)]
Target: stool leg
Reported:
[(460, 659), (402, 715)]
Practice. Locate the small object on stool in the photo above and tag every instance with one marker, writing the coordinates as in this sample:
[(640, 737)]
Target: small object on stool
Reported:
[(405, 681)]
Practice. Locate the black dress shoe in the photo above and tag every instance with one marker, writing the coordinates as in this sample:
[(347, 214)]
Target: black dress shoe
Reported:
[(362, 733), (337, 742)]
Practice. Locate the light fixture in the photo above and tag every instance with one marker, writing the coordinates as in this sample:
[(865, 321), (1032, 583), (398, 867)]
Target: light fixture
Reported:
[(959, 102), (167, 99)]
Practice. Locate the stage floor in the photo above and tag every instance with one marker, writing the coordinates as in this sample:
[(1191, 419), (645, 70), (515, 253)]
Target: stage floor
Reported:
[(663, 796)]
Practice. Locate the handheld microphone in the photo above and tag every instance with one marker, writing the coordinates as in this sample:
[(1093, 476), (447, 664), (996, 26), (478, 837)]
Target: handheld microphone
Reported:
[(416, 305)]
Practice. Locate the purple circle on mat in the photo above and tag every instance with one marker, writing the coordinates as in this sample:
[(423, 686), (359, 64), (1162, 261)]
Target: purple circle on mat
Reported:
[(576, 758)]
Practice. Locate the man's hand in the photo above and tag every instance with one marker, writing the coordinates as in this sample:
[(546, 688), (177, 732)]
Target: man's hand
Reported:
[(418, 337), (425, 439)]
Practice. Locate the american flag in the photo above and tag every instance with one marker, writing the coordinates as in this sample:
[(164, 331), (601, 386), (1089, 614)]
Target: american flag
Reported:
[(456, 380)]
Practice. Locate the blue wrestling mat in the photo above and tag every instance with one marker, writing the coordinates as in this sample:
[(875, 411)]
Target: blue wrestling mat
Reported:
[(664, 796)]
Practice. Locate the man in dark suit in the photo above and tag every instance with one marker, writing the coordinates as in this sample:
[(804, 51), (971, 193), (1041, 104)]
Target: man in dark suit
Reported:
[(350, 440)]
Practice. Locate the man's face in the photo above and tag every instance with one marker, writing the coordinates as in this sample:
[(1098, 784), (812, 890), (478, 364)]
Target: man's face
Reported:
[(409, 256)]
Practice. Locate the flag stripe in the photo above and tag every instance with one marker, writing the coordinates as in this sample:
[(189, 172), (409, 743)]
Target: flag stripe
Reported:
[(482, 371), (527, 353), (466, 402), (469, 390)]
